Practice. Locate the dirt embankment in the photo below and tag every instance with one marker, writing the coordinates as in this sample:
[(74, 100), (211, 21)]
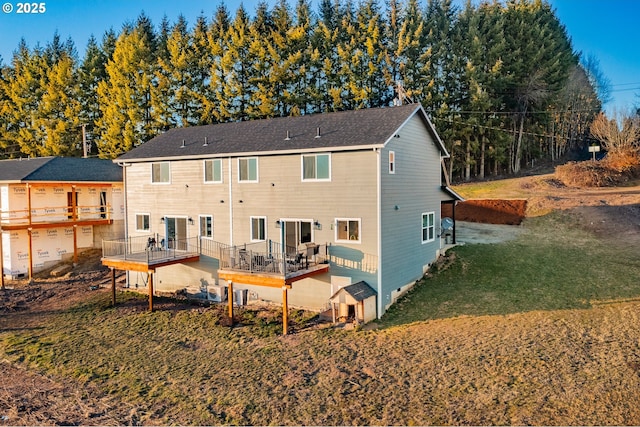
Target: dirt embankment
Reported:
[(489, 211)]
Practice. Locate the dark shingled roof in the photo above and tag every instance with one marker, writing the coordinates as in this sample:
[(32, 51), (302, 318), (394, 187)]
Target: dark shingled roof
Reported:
[(343, 129), (360, 291), (60, 169)]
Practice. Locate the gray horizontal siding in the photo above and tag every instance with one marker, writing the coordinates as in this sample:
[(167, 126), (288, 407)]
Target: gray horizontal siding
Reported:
[(413, 189)]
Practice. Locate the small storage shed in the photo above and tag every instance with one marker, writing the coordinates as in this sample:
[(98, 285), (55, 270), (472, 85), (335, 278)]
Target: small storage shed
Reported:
[(356, 301)]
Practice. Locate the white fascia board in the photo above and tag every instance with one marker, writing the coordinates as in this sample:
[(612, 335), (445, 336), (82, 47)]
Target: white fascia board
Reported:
[(253, 154), (430, 128)]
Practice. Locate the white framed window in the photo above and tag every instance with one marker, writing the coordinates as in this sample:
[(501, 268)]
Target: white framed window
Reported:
[(206, 226), (428, 227), (348, 230), (213, 171), (258, 228), (160, 173), (316, 167), (248, 169), (392, 162), (142, 222)]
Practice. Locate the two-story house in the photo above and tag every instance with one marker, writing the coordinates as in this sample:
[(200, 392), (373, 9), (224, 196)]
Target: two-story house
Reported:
[(52, 207), (319, 201)]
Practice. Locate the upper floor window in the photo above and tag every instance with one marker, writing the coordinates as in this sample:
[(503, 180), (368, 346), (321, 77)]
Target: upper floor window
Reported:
[(248, 169), (213, 170), (160, 172), (428, 227), (142, 222), (348, 230), (316, 167), (392, 162), (206, 226)]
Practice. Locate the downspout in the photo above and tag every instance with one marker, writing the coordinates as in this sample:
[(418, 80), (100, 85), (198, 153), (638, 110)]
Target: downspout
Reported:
[(29, 230), (379, 214), (1, 259), (126, 211), (230, 204)]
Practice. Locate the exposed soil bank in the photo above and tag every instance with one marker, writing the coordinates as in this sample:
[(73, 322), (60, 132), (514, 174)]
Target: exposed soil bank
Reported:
[(489, 211)]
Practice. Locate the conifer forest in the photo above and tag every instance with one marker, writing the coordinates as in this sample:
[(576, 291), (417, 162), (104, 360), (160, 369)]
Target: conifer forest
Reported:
[(500, 80)]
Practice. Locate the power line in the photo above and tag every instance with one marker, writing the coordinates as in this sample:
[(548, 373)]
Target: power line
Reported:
[(504, 130), (590, 110), (625, 84), (625, 90)]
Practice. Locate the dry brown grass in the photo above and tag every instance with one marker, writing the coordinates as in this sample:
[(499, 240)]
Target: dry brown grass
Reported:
[(615, 169), (564, 367)]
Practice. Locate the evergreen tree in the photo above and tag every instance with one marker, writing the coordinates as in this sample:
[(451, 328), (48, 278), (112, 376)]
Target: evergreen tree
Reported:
[(108, 45), (8, 145), (57, 124), (281, 52), (217, 107), (172, 94), (262, 101), (410, 52), (235, 63), (23, 91), (534, 70), (201, 58), (124, 97), (92, 71), (372, 62)]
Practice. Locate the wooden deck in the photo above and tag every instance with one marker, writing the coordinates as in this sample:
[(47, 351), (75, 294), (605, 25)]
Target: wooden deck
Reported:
[(149, 260), (271, 279)]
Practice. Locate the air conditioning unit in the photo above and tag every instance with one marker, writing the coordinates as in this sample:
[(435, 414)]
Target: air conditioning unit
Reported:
[(217, 293), (241, 296)]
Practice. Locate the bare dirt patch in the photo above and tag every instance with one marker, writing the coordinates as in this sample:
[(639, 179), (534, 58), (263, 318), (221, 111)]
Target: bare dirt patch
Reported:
[(30, 398), (612, 213), (489, 211)]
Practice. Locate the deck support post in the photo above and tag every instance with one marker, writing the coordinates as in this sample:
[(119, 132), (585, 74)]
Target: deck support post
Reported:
[(30, 255), (150, 273), (453, 214), (230, 300), (285, 311), (333, 312), (75, 245), (1, 262), (113, 286)]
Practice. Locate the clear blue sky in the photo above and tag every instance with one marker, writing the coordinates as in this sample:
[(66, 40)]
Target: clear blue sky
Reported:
[(605, 28)]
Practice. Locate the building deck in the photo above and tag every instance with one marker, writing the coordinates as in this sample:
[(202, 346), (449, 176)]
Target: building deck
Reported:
[(149, 260), (271, 279)]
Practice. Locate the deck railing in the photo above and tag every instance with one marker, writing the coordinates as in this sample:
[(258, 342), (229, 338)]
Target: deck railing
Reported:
[(212, 249), (150, 248), (50, 214), (268, 257)]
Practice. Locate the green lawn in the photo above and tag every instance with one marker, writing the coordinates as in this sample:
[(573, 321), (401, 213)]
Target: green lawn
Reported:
[(553, 265)]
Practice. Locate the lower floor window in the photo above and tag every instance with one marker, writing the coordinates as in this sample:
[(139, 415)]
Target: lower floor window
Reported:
[(348, 230), (258, 228), (142, 222), (428, 227), (206, 226)]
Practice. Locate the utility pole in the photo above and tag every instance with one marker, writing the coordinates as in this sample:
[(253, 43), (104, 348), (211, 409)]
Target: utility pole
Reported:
[(84, 140)]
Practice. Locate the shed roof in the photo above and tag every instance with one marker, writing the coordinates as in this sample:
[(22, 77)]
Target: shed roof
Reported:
[(360, 291), (313, 132), (60, 169)]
